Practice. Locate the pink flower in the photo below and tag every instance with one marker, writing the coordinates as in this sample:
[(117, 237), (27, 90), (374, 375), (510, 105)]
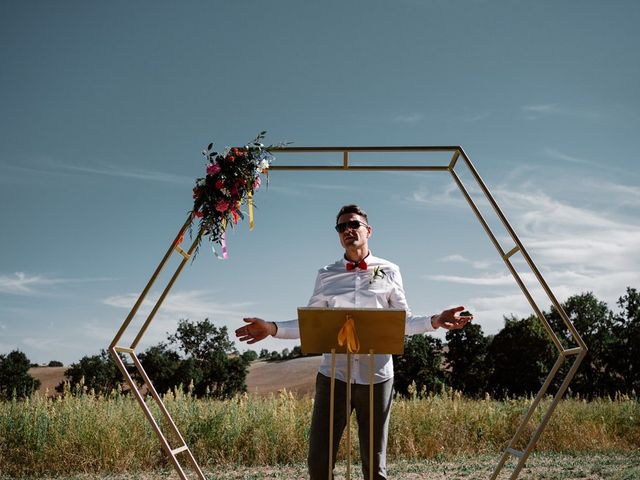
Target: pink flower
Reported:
[(222, 206), (257, 182), (219, 184), (213, 168)]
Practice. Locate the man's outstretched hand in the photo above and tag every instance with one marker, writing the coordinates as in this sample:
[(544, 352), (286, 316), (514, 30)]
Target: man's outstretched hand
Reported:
[(452, 319), (255, 330)]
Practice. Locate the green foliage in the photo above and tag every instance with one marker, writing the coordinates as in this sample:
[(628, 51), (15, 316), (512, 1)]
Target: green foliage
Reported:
[(15, 381), (627, 330), (165, 368), (520, 357), (594, 322), (212, 363), (55, 363), (421, 364), (97, 373), (250, 355), (466, 360)]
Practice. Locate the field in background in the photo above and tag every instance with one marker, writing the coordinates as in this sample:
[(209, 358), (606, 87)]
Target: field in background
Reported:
[(296, 376), (88, 434)]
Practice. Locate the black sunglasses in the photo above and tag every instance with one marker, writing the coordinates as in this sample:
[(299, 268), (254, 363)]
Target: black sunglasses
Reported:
[(353, 224)]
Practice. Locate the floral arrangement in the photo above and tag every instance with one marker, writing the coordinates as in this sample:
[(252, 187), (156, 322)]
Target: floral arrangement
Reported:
[(231, 179)]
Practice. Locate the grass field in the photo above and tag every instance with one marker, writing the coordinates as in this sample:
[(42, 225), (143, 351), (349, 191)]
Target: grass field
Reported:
[(539, 467), (107, 436), (264, 435)]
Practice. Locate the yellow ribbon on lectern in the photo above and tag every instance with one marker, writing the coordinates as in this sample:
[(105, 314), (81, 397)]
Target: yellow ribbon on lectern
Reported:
[(348, 335)]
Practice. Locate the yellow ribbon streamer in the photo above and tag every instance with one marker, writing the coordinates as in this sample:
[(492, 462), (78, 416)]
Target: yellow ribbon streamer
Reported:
[(348, 335), (250, 200)]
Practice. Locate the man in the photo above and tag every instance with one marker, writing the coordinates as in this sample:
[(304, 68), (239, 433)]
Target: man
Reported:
[(357, 280)]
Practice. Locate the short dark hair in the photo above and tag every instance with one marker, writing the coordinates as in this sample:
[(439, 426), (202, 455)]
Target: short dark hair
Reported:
[(352, 209)]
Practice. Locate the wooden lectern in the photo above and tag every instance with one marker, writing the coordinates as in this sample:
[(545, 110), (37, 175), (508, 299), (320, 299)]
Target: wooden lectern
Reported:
[(376, 330)]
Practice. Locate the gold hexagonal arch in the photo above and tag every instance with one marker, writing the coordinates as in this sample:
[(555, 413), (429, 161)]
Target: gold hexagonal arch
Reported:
[(178, 446)]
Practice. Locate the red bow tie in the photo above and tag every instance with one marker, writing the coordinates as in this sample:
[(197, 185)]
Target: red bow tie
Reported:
[(352, 266)]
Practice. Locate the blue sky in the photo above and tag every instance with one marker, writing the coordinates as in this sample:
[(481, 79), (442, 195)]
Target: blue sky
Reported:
[(107, 105)]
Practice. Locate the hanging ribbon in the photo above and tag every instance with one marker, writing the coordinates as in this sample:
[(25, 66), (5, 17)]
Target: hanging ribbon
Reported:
[(347, 335), (250, 202), (223, 240)]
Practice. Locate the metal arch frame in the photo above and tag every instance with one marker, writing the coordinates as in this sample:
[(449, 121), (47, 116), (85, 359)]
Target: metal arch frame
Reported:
[(457, 154)]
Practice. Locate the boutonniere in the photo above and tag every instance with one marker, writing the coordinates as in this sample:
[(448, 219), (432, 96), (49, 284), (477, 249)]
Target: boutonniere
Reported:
[(378, 273)]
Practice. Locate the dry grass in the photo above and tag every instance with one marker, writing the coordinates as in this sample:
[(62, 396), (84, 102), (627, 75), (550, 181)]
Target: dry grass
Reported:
[(539, 467), (92, 435)]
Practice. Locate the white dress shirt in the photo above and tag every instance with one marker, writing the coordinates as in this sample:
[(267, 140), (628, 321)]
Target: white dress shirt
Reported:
[(338, 287)]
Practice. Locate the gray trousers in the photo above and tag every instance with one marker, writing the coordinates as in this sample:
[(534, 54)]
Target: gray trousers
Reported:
[(318, 459)]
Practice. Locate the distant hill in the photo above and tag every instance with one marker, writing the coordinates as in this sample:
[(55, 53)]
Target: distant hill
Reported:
[(297, 376), (50, 378)]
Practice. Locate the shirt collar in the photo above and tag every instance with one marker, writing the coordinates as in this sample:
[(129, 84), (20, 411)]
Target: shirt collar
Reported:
[(367, 259)]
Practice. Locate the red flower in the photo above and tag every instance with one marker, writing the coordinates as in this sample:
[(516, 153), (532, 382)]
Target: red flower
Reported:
[(222, 206), (213, 168), (219, 184), (231, 158), (199, 214)]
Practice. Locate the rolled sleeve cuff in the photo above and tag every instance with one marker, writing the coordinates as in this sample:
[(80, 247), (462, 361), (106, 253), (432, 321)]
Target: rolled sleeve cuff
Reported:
[(287, 330)]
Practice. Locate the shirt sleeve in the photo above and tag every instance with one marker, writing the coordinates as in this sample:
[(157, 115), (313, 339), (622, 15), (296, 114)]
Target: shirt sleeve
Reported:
[(289, 329), (415, 323)]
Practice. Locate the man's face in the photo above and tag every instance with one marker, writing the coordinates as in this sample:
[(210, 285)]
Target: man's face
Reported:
[(354, 237)]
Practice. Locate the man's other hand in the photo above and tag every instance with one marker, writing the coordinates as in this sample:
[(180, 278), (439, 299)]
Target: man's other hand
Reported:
[(255, 330), (451, 319)]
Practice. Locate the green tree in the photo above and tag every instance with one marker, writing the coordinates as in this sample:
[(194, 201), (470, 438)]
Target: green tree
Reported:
[(466, 359), (627, 334), (250, 355), (97, 372), (15, 380), (519, 357), (597, 374), (421, 363), (55, 363), (221, 372), (163, 366)]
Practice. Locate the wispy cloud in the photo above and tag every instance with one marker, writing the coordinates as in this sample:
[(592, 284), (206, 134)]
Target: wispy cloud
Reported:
[(128, 172), (187, 304), (542, 109), (21, 283), (474, 117), (408, 118), (449, 195), (485, 280), (53, 167), (580, 248), (457, 258), (536, 111), (553, 153)]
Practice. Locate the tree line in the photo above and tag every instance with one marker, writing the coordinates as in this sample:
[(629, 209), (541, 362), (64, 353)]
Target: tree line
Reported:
[(517, 360), (200, 357)]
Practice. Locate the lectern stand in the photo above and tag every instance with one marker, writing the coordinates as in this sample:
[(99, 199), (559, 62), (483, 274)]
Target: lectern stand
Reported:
[(351, 331)]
